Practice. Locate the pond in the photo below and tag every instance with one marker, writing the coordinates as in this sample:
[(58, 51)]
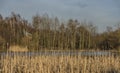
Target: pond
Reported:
[(62, 53)]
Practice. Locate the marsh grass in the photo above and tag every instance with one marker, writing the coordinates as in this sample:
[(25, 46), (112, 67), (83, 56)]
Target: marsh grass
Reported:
[(59, 64)]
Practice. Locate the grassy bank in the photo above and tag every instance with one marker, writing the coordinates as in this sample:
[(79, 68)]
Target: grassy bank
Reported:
[(59, 64)]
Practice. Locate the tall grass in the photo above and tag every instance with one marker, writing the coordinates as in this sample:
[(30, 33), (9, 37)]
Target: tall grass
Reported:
[(59, 64)]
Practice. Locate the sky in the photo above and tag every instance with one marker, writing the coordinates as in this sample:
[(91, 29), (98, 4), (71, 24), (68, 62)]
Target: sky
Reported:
[(101, 13)]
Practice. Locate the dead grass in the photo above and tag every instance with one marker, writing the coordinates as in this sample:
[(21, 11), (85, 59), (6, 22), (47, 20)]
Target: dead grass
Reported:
[(59, 64), (17, 49)]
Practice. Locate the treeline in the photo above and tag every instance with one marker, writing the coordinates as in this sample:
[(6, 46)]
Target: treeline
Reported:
[(51, 34)]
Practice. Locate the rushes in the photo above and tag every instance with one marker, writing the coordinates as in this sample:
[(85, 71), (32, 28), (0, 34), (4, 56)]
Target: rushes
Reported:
[(60, 64)]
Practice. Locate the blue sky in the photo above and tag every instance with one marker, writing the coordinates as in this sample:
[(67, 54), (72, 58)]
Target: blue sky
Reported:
[(101, 12)]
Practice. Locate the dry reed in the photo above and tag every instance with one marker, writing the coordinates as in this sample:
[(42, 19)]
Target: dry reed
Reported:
[(59, 64)]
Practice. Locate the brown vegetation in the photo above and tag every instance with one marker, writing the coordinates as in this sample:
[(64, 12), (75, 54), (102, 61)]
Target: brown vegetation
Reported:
[(50, 33), (17, 49), (59, 64)]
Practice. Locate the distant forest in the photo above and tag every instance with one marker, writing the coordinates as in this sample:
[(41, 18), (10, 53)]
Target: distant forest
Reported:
[(45, 33)]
